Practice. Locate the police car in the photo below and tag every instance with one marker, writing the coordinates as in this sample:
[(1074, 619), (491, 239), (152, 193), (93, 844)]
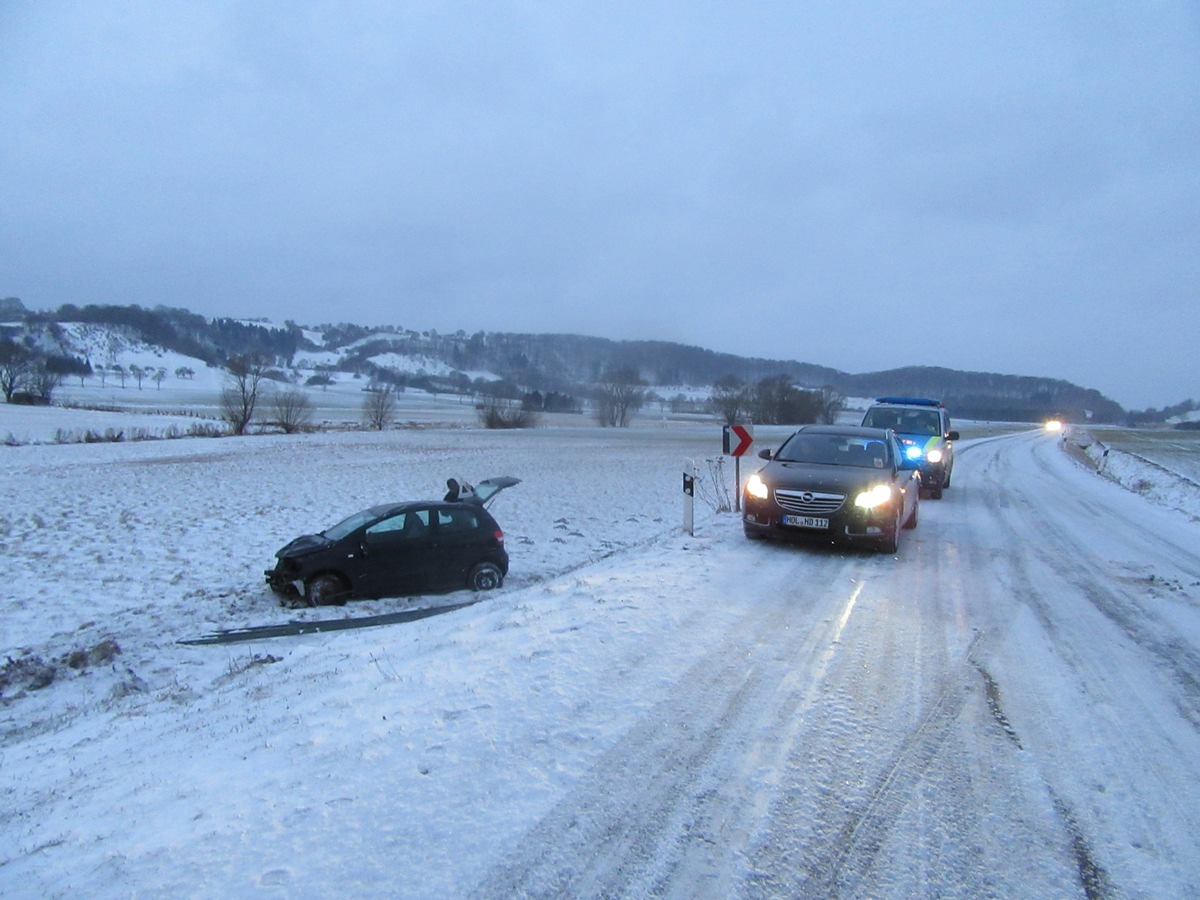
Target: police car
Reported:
[(923, 427)]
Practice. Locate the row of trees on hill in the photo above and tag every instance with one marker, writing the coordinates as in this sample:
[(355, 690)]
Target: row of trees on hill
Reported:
[(214, 341), (254, 393), (774, 400), (574, 364), (1160, 416)]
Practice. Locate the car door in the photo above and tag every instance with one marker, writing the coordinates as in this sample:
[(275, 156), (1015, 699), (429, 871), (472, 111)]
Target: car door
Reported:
[(462, 541), (400, 554)]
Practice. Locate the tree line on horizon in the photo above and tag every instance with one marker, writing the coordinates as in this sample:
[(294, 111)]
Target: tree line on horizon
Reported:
[(551, 365)]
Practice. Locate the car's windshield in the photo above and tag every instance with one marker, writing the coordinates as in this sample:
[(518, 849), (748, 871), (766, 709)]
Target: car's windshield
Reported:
[(348, 526), (834, 450), (904, 421)]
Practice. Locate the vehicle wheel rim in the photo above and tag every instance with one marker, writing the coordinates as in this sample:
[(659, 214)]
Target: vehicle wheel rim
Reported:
[(486, 579)]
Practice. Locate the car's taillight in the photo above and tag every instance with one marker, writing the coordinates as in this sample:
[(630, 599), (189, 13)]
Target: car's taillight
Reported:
[(499, 536)]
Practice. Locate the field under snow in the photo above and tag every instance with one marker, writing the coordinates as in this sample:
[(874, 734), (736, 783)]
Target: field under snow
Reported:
[(1008, 707)]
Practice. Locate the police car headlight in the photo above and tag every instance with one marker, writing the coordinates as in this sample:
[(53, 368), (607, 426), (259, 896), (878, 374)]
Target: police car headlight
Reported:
[(913, 452), (757, 488), (935, 456), (876, 496)]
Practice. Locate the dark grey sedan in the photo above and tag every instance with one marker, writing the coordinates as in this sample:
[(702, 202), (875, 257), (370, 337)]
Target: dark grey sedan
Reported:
[(835, 482)]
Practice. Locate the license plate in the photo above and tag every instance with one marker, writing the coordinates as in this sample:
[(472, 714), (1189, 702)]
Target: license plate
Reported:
[(806, 522)]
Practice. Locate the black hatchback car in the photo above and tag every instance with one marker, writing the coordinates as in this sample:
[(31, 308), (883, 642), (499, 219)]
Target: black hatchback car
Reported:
[(398, 548), (842, 483)]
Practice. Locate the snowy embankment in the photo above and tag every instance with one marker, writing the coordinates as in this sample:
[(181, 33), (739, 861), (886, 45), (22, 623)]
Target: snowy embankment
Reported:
[(1135, 472)]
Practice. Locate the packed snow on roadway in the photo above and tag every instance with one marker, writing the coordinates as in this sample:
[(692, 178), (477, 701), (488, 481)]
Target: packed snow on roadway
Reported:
[(637, 711)]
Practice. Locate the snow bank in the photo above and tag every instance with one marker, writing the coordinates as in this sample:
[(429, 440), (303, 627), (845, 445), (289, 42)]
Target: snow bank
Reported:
[(1141, 475)]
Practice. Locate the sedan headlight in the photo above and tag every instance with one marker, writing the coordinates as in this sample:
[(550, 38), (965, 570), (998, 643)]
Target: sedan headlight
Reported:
[(935, 456), (876, 496), (757, 488)]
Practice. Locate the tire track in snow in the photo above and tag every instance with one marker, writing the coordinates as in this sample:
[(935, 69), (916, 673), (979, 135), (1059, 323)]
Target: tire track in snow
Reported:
[(671, 809)]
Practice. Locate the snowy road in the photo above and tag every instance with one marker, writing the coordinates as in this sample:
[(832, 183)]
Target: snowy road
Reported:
[(1009, 707), (1009, 710)]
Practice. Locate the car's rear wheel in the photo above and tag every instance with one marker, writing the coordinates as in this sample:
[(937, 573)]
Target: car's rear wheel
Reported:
[(325, 590), (485, 577)]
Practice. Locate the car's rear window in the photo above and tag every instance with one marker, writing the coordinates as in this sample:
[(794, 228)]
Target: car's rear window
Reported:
[(455, 521)]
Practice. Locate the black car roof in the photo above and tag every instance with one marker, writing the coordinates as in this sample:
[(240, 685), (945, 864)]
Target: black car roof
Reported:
[(383, 509), (484, 491), (847, 430)]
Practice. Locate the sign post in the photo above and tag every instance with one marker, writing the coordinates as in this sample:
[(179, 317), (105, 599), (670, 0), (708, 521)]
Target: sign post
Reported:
[(689, 496), (736, 441)]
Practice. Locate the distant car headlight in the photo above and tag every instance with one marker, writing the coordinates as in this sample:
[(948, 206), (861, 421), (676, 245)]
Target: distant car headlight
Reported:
[(876, 496), (757, 488), (1054, 425), (913, 452), (935, 456)]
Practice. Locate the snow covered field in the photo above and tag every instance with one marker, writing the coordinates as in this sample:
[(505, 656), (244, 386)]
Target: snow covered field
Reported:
[(1008, 707)]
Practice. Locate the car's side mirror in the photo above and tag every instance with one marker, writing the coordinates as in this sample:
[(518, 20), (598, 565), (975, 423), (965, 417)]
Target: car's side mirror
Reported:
[(953, 436), (764, 454)]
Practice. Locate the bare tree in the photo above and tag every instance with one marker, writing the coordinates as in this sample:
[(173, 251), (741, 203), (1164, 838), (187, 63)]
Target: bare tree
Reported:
[(777, 401), (240, 398), (496, 412), (291, 410), (379, 407), (15, 366), (832, 402), (43, 381), (621, 395), (731, 399)]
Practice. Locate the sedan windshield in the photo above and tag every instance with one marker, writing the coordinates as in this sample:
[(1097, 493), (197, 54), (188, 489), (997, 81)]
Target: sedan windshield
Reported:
[(834, 450)]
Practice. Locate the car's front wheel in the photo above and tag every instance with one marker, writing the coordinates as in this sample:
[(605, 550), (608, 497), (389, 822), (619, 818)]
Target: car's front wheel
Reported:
[(485, 577), (325, 590), (891, 539)]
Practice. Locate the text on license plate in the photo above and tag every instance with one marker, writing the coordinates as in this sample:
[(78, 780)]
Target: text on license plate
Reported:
[(806, 522)]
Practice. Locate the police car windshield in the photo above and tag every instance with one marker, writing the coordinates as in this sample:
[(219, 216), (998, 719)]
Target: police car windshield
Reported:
[(834, 450), (904, 421)]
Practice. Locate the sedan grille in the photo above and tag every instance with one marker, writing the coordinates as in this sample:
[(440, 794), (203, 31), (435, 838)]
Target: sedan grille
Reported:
[(809, 503)]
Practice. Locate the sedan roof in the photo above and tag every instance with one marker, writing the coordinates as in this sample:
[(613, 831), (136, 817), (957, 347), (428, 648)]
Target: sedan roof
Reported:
[(857, 431)]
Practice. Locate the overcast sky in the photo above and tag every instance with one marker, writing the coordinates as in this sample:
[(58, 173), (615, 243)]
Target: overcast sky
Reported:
[(996, 186)]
